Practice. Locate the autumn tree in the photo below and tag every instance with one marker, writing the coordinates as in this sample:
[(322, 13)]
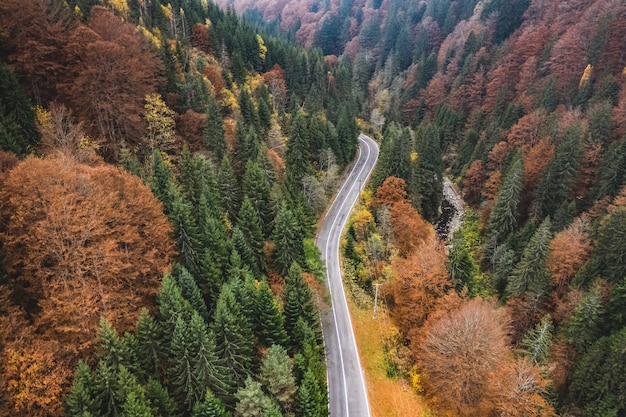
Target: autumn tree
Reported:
[(73, 236), (459, 355)]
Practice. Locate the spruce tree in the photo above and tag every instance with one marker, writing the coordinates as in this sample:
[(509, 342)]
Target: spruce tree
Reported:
[(536, 343), (229, 188), (245, 253), (505, 213), (214, 138), (309, 400), (269, 321), (136, 405), (426, 186), (246, 106), (257, 189), (113, 350), (190, 291), (162, 404), (162, 183), (287, 238), (252, 401), (297, 153), (187, 237), (250, 225), (211, 406), (298, 301), (82, 400), (172, 306), (276, 375), (530, 274), (234, 337)]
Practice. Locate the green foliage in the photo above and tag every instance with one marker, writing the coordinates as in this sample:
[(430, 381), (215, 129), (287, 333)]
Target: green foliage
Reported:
[(214, 139), (252, 401), (269, 321), (249, 223), (536, 343), (229, 188), (584, 325), (82, 400), (257, 189), (211, 406), (288, 242), (162, 183), (298, 301), (297, 153), (508, 16), (190, 291), (428, 179), (276, 375)]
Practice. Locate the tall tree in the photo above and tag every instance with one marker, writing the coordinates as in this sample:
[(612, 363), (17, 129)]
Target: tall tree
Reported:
[(250, 225), (214, 138), (276, 375), (287, 238), (269, 320)]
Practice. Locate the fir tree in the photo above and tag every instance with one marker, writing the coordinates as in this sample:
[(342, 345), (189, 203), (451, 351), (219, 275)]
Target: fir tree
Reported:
[(248, 112), (298, 300), (190, 291), (211, 406), (233, 334), (162, 183), (309, 400), (214, 138), (297, 153), (256, 187), (113, 350), (82, 400), (245, 253), (536, 343), (136, 406), (250, 225), (172, 306), (269, 321), (277, 376), (229, 189), (288, 242), (531, 274), (187, 236), (162, 404), (252, 401), (428, 177)]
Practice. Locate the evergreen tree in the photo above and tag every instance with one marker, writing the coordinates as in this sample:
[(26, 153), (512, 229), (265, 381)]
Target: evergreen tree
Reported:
[(288, 242), (162, 183), (536, 343), (214, 138), (256, 187), (190, 291), (298, 300), (252, 401), (245, 254), (530, 274), (559, 177), (584, 325), (250, 225), (162, 404), (248, 112), (309, 399), (428, 177), (187, 236), (82, 400), (211, 406), (229, 188), (277, 376), (172, 306), (347, 133), (505, 213), (136, 406), (113, 350), (297, 154), (269, 321), (234, 337)]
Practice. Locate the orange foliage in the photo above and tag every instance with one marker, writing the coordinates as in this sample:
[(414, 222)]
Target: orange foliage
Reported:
[(496, 156), (409, 228), (190, 127), (420, 282), (569, 250), (473, 182), (535, 160), (561, 359), (392, 191), (275, 80), (462, 356), (492, 185), (81, 242), (521, 385), (200, 37), (278, 164), (524, 312), (213, 73), (529, 129)]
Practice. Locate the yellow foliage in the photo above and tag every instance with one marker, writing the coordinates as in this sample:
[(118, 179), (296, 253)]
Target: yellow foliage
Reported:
[(363, 222), (416, 380), (414, 156), (120, 6), (586, 76), (229, 100), (367, 196), (262, 47), (154, 38)]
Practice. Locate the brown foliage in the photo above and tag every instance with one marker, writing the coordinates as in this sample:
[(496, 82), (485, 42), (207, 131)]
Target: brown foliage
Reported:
[(496, 155), (524, 313), (529, 129), (275, 80), (213, 73), (409, 228), (419, 285), (561, 360), (462, 355), (190, 127), (112, 75), (81, 242), (521, 385), (473, 183), (392, 191), (569, 250), (200, 37)]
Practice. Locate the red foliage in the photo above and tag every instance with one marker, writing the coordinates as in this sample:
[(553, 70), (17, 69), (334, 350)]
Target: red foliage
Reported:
[(392, 191), (190, 127), (275, 80), (200, 37), (529, 129)]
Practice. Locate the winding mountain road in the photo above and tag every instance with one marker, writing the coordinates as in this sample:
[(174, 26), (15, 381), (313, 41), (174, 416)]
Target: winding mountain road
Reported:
[(346, 382)]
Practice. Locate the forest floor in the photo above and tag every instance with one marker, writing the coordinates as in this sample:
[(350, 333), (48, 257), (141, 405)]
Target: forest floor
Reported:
[(388, 397)]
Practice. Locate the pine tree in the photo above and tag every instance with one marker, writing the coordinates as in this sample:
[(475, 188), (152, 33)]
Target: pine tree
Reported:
[(298, 301), (211, 406), (234, 337), (190, 291), (162, 404), (252, 401), (269, 321), (347, 133), (181, 355), (250, 225), (427, 183), (584, 325), (136, 406), (309, 399), (82, 400), (505, 213), (162, 183), (187, 237), (172, 306), (113, 351), (214, 138), (229, 188), (536, 343), (277, 376), (297, 153), (530, 274), (248, 112), (288, 242), (559, 177), (256, 187), (245, 253)]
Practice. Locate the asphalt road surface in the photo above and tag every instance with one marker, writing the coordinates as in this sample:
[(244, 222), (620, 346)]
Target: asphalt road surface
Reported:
[(346, 383)]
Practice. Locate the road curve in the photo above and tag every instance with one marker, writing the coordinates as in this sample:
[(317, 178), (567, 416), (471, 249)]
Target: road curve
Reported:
[(346, 382)]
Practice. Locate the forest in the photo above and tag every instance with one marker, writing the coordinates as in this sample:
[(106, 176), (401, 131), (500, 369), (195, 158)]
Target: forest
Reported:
[(164, 163), (163, 168)]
